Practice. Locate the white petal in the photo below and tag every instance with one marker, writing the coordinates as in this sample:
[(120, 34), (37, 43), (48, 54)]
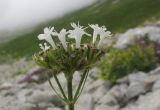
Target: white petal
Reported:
[(41, 36), (46, 30), (87, 34), (94, 36), (78, 41), (52, 29), (73, 25), (51, 42), (71, 36)]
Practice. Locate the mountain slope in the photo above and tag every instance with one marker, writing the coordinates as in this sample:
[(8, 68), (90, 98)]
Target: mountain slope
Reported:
[(117, 15)]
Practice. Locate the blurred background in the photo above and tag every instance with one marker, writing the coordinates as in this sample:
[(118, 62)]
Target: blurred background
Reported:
[(135, 25)]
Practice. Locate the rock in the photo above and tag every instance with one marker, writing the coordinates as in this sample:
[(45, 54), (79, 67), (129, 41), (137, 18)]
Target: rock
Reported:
[(156, 86), (28, 106), (135, 89), (44, 97), (35, 75), (5, 86), (149, 101), (130, 106), (23, 94), (130, 36), (105, 107), (151, 79), (85, 102), (42, 106), (137, 77), (123, 80), (94, 73), (108, 100), (139, 83), (119, 93), (99, 93), (96, 84), (155, 71), (54, 108)]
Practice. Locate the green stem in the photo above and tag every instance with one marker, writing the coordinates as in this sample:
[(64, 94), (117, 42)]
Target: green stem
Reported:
[(61, 89), (70, 94), (52, 87), (80, 86)]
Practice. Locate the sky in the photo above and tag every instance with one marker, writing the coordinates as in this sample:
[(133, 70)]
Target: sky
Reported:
[(16, 14)]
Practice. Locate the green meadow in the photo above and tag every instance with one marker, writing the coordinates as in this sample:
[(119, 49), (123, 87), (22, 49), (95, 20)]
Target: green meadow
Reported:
[(116, 15)]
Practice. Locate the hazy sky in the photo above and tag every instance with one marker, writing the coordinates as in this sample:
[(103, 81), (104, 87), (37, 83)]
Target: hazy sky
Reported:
[(18, 13)]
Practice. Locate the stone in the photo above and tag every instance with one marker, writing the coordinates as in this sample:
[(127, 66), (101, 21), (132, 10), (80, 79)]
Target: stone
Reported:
[(42, 106), (137, 77), (94, 73), (5, 86), (155, 71), (22, 94), (130, 36), (123, 80), (44, 96), (108, 100), (105, 107), (149, 101), (99, 93), (28, 106), (151, 79), (156, 85), (119, 92), (54, 108), (85, 102), (96, 84), (135, 89)]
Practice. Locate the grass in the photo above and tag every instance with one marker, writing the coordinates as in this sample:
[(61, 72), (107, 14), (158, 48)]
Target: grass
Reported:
[(118, 17)]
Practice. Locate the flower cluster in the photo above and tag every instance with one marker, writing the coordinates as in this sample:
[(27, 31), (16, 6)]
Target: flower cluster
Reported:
[(77, 33), (67, 57)]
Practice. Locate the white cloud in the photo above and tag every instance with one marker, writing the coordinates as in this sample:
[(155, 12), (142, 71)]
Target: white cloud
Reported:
[(19, 13)]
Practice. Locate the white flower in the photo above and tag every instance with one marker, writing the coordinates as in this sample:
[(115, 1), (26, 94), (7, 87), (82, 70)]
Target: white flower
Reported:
[(62, 37), (77, 33), (103, 35), (47, 36), (45, 47), (97, 31)]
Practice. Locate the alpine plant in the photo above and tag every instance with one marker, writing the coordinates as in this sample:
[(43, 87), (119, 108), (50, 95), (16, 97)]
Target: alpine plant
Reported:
[(70, 54)]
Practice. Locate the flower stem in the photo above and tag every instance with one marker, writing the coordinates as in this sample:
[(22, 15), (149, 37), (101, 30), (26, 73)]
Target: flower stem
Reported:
[(81, 85), (70, 94), (61, 89)]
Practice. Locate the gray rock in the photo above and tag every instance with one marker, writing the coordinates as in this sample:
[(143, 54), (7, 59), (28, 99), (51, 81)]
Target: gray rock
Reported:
[(137, 77), (155, 71), (108, 100), (135, 89), (54, 108), (22, 94), (5, 86), (105, 107), (151, 79), (99, 93), (94, 73), (156, 86), (130, 36), (149, 101), (44, 97), (85, 102), (28, 106), (119, 92), (123, 80), (42, 106), (98, 83)]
